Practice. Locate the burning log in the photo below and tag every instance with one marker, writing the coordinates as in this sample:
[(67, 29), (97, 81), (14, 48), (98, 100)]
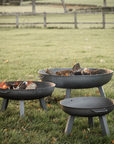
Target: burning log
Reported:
[(22, 85), (50, 72), (31, 86), (11, 86), (65, 73)]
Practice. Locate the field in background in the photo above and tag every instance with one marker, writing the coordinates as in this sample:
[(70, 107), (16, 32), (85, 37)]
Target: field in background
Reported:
[(39, 9), (52, 18), (23, 52), (90, 2), (59, 18)]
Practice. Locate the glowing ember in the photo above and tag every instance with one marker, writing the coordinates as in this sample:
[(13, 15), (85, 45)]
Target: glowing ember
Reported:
[(15, 85), (29, 82), (3, 85)]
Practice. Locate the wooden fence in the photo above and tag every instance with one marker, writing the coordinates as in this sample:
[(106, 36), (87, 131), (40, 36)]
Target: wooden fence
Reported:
[(45, 22)]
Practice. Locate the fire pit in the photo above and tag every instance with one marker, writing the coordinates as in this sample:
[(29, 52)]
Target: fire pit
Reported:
[(77, 81), (87, 107), (42, 90)]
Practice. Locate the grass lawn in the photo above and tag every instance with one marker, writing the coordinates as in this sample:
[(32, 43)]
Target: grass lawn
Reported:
[(25, 51)]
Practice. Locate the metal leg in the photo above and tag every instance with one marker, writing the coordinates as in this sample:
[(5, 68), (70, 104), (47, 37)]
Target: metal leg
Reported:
[(4, 104), (68, 91), (101, 90), (22, 110), (102, 93), (42, 103), (104, 125), (91, 121), (69, 124)]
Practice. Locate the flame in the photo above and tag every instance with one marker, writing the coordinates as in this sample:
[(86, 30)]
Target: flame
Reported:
[(3, 85), (29, 82)]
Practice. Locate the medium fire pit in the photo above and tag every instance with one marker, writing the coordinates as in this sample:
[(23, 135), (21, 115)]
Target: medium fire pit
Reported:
[(87, 107), (42, 90)]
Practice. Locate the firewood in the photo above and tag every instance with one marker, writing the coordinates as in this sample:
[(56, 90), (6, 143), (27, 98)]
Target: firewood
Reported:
[(77, 72), (76, 67), (22, 85), (11, 86), (50, 72), (65, 73), (85, 71), (31, 86), (99, 71)]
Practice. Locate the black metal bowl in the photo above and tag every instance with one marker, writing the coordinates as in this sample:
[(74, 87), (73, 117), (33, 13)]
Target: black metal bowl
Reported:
[(43, 89), (87, 106), (77, 81)]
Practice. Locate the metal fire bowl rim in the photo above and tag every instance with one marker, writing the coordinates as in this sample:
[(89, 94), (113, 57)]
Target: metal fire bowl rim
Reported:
[(59, 69), (111, 100), (51, 84)]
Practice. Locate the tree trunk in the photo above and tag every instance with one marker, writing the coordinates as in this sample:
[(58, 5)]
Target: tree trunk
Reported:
[(33, 7), (3, 2), (21, 2), (65, 10), (104, 3)]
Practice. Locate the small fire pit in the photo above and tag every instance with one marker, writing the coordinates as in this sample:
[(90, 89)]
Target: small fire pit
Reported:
[(87, 107), (42, 90)]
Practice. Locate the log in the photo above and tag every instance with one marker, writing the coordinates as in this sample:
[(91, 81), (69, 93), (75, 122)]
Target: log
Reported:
[(31, 86), (85, 71), (76, 69), (65, 73), (99, 71), (50, 72), (22, 85), (11, 86)]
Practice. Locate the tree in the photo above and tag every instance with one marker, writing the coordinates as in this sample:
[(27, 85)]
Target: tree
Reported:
[(65, 10), (33, 7)]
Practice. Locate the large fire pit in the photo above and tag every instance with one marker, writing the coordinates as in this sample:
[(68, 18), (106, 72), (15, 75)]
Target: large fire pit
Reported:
[(43, 89), (77, 81), (87, 107)]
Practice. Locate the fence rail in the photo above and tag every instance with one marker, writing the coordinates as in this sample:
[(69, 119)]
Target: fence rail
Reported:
[(45, 15)]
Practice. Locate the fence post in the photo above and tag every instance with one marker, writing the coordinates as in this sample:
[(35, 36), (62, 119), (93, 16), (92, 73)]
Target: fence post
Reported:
[(75, 19), (103, 19), (17, 24), (44, 19)]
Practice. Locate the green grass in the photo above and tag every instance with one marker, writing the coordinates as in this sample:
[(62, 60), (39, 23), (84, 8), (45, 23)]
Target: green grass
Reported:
[(59, 18), (25, 51)]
